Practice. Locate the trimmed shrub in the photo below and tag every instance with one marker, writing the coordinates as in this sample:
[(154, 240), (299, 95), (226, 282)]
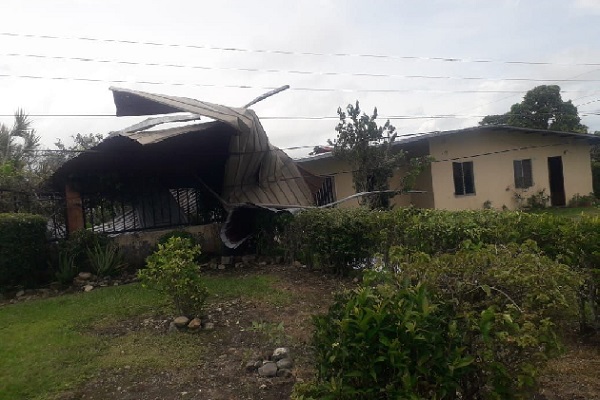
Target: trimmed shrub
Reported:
[(387, 342), (23, 250), (477, 324), (511, 303), (172, 270)]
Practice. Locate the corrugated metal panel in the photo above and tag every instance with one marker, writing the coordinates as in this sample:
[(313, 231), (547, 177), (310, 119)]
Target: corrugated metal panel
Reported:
[(255, 172)]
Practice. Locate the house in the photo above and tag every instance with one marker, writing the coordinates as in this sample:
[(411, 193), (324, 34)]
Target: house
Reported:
[(154, 175), (484, 166)]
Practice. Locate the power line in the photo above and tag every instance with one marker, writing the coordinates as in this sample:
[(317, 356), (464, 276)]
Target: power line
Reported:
[(289, 71), (302, 89), (308, 118), (288, 52)]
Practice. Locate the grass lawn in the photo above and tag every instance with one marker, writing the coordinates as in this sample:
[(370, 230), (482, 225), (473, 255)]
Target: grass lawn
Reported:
[(571, 212), (48, 346)]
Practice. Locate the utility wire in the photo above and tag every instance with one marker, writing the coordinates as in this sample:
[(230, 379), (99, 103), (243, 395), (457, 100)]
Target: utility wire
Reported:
[(301, 89), (308, 118), (288, 71), (288, 52)]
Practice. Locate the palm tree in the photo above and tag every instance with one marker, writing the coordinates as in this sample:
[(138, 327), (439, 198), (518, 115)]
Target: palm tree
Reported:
[(21, 154)]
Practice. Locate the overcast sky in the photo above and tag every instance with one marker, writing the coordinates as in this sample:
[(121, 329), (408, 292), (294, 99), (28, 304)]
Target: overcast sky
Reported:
[(204, 49)]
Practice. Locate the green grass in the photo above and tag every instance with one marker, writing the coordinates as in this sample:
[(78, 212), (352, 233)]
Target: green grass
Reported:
[(571, 212), (49, 345)]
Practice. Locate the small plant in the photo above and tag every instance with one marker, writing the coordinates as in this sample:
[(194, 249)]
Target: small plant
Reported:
[(66, 268), (275, 332), (105, 261), (583, 201), (172, 270)]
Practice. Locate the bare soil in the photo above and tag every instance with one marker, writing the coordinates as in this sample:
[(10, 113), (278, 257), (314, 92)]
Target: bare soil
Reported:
[(220, 372)]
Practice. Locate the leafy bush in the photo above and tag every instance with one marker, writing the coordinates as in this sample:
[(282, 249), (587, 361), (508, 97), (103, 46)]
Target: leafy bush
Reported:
[(23, 238), (583, 200), (105, 261), (172, 271), (387, 342), (343, 240), (477, 324), (511, 303), (177, 233)]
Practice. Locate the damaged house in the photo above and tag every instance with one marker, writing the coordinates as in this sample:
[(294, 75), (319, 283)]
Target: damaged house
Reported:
[(151, 176)]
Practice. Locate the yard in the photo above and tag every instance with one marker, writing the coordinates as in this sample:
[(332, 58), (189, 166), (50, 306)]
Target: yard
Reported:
[(113, 342)]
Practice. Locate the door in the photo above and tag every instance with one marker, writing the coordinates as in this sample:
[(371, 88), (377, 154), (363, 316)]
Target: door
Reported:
[(557, 181)]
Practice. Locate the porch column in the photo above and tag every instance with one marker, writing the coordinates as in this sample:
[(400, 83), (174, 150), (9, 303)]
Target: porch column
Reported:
[(74, 210)]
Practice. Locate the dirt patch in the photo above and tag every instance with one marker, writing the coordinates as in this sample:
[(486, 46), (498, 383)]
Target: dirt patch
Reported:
[(247, 328), (244, 329)]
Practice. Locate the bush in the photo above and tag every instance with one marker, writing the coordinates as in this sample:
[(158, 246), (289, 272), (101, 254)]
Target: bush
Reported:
[(171, 270), (477, 324), (387, 342), (23, 250), (512, 303)]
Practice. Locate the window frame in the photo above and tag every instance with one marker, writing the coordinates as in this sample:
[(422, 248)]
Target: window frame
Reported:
[(520, 169), (463, 175)]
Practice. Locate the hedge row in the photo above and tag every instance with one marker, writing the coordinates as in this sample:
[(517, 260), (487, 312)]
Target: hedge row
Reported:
[(22, 250), (342, 239)]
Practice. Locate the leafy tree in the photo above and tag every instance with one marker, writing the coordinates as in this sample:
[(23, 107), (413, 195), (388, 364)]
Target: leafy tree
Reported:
[(542, 108), (53, 160), (367, 147)]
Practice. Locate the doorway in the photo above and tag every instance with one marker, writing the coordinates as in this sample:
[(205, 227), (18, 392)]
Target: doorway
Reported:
[(557, 181)]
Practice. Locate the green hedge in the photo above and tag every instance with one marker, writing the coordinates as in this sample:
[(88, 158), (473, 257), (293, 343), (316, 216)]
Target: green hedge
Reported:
[(476, 324), (343, 240), (23, 249)]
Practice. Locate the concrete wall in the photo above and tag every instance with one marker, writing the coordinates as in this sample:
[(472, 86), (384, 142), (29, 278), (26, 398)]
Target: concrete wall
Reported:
[(136, 246), (493, 153)]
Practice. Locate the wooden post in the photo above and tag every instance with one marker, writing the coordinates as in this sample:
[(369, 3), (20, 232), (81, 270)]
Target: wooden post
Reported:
[(74, 210)]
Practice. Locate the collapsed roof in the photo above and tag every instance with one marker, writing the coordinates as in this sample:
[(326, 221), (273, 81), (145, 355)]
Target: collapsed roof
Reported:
[(230, 155)]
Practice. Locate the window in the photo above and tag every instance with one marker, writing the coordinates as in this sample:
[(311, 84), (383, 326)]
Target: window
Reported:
[(523, 174), (464, 183), (326, 194)]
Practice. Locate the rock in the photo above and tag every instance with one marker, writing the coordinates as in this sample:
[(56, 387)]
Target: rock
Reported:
[(181, 322), (85, 276), (285, 363), (221, 267), (239, 265), (172, 328), (251, 366), (258, 364), (20, 293), (268, 370), (88, 288), (195, 324), (280, 353), (249, 258), (262, 387), (297, 264), (284, 373), (262, 263), (227, 260), (209, 326)]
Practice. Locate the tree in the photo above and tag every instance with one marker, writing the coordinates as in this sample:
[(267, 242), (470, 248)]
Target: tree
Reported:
[(368, 149), (542, 108), (53, 160), (20, 155)]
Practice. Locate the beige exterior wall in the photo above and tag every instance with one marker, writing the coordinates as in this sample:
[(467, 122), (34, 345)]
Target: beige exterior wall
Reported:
[(344, 186), (493, 168)]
